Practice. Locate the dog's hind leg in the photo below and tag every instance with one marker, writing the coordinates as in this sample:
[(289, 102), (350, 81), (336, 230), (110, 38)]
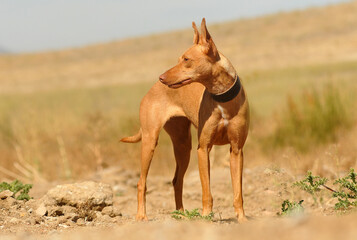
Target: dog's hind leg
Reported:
[(180, 132), (148, 144)]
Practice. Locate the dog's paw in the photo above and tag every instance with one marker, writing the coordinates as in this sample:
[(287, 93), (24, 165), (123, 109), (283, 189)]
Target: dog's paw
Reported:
[(242, 219), (141, 217)]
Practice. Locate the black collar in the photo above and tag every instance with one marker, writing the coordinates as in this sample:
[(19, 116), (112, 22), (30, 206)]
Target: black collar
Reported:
[(229, 94)]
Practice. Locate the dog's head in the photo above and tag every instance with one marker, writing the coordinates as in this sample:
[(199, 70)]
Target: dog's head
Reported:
[(197, 64)]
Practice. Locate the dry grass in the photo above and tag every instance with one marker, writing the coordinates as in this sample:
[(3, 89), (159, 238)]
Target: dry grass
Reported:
[(62, 113), (313, 120), (68, 133), (65, 133)]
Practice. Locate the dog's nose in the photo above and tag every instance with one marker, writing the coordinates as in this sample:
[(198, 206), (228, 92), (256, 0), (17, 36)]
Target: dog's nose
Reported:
[(162, 78)]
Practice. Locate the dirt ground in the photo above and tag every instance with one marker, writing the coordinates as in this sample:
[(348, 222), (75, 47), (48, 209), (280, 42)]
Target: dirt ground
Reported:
[(264, 190)]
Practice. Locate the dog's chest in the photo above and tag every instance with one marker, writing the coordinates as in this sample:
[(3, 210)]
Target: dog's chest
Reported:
[(224, 119), (220, 136)]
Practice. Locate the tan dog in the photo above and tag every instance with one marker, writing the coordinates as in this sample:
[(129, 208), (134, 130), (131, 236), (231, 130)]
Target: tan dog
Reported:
[(203, 89)]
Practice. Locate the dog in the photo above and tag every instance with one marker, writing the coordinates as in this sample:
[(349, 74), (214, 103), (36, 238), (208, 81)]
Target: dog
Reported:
[(205, 90)]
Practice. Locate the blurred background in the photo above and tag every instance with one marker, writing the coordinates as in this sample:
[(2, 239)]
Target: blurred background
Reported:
[(73, 73)]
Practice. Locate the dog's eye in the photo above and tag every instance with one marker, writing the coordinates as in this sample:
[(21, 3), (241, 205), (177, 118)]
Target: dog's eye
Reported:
[(185, 59)]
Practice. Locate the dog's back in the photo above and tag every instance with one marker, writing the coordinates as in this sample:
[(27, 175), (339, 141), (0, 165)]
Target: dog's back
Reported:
[(183, 102)]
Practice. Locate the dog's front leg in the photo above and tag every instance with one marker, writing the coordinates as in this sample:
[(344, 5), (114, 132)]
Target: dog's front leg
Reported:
[(236, 165), (204, 170)]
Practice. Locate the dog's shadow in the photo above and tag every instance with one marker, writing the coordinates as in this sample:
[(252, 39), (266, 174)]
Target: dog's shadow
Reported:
[(231, 220)]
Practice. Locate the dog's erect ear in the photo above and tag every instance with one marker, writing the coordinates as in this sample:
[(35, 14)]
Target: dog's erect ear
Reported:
[(196, 36), (205, 36), (207, 42)]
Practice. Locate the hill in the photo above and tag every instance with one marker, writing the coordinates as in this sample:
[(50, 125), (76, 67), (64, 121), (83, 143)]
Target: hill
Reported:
[(3, 50), (299, 38)]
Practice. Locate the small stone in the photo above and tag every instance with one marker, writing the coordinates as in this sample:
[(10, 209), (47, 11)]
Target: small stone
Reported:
[(71, 223), (106, 218), (41, 210), (14, 220), (99, 215), (62, 220), (63, 225), (6, 194), (80, 222), (116, 213), (32, 221), (71, 216), (108, 211), (38, 220), (116, 219), (75, 218), (11, 201)]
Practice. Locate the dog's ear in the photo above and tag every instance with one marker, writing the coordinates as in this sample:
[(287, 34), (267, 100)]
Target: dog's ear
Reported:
[(196, 36), (207, 42)]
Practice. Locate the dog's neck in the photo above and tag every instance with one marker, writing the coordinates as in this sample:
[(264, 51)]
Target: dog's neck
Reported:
[(223, 77), (230, 94)]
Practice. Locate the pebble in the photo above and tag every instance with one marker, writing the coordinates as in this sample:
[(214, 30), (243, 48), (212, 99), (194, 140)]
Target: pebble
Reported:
[(41, 210), (14, 220), (11, 201), (80, 222), (6, 194), (63, 225), (108, 211), (31, 221)]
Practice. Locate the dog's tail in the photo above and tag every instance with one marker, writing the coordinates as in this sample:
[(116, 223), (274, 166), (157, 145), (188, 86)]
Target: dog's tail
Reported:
[(132, 139)]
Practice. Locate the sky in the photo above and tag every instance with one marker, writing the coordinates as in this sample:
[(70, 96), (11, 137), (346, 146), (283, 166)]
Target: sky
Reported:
[(42, 25)]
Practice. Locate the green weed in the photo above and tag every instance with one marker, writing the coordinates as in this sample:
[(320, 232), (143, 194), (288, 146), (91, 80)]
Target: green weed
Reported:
[(191, 215), (347, 194), (311, 184), (17, 187), (291, 208)]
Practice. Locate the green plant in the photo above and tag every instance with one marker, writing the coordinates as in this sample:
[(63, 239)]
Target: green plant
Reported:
[(347, 191), (314, 120), (191, 215), (311, 184), (346, 194), (291, 208), (17, 187)]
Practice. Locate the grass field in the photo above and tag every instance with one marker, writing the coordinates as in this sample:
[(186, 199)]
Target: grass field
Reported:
[(77, 130)]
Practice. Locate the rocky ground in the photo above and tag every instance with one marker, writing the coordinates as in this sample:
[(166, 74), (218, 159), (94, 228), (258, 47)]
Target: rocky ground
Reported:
[(105, 204)]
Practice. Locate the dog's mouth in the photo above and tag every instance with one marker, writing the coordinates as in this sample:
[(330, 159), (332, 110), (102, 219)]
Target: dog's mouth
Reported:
[(180, 84)]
